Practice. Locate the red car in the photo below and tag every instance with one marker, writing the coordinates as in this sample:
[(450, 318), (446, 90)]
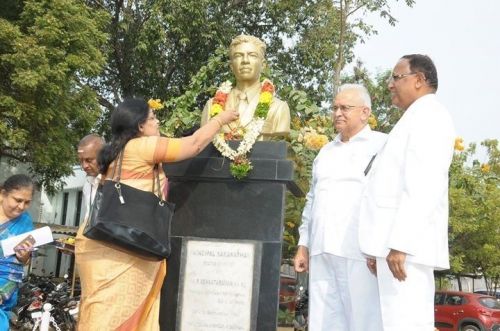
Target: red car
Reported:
[(462, 311)]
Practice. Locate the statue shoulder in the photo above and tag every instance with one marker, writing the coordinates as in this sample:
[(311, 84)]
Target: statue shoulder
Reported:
[(205, 112), (209, 102), (279, 104)]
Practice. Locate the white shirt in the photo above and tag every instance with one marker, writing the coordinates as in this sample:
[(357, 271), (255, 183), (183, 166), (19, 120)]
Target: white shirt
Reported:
[(89, 191), (338, 178)]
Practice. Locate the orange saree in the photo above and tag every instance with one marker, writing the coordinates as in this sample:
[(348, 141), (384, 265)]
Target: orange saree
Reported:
[(121, 291)]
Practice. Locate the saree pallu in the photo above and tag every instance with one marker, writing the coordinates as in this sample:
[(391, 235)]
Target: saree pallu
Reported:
[(120, 291)]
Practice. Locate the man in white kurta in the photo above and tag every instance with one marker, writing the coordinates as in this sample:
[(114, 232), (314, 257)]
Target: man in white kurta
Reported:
[(342, 293), (404, 211), (88, 150)]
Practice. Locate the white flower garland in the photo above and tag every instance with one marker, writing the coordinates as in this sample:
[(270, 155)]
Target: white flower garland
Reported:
[(226, 87), (253, 131)]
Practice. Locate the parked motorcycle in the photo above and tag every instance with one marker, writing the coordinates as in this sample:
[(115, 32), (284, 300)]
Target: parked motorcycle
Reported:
[(301, 309), (41, 297)]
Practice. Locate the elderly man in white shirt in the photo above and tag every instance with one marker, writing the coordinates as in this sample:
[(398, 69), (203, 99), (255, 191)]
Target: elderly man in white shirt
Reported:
[(342, 293), (88, 150), (403, 220)]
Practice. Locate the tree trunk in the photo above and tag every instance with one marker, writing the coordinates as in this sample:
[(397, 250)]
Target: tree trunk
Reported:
[(340, 55), (459, 281)]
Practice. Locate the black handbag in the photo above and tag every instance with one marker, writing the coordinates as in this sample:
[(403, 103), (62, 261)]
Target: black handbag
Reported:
[(135, 220)]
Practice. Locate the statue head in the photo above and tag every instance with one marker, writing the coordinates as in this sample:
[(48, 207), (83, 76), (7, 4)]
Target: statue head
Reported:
[(247, 58)]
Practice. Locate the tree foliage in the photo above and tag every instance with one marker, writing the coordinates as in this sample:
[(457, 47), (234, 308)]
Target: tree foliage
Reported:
[(155, 47), (47, 51), (475, 214), (352, 28), (65, 63)]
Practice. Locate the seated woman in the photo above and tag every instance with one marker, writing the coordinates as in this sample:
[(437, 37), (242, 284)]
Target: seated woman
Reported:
[(15, 197)]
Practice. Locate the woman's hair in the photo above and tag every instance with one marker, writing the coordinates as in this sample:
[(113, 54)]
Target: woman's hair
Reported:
[(125, 121), (16, 182)]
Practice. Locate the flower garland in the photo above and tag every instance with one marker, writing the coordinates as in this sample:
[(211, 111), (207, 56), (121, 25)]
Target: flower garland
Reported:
[(240, 164)]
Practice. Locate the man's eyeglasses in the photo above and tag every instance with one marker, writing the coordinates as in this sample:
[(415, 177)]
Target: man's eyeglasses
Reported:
[(344, 108), (395, 78)]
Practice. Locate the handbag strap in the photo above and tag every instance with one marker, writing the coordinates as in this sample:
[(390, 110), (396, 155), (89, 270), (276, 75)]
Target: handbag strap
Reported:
[(156, 176), (118, 187), (118, 164)]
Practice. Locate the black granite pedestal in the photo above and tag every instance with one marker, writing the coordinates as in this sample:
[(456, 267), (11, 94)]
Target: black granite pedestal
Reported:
[(224, 270)]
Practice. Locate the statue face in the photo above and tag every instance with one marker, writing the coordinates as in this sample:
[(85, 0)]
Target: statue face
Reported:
[(246, 62)]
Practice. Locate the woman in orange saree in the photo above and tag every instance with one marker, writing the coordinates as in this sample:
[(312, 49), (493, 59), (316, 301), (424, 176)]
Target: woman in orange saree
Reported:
[(121, 290)]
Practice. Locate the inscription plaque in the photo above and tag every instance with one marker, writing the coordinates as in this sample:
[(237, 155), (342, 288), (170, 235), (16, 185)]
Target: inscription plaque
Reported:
[(217, 286)]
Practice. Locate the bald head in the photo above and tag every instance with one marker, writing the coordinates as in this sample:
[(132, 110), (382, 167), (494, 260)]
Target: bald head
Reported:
[(91, 139), (88, 149)]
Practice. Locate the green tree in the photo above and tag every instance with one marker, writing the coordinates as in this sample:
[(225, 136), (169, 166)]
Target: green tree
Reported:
[(352, 28), (155, 47), (474, 214), (48, 49), (65, 63)]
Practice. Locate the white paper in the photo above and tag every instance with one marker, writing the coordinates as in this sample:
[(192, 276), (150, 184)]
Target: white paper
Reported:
[(42, 236)]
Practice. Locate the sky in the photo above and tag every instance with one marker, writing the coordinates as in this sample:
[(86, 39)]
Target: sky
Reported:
[(463, 39)]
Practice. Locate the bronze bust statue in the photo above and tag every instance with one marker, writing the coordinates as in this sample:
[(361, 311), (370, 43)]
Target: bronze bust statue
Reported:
[(246, 60)]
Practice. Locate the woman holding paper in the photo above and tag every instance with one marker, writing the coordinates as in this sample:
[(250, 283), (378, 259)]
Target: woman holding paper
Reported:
[(15, 197)]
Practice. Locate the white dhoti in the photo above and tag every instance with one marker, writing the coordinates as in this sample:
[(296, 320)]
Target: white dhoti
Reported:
[(343, 295), (407, 305)]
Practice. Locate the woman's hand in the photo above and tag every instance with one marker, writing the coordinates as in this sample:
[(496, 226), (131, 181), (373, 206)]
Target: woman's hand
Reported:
[(195, 143), (227, 116)]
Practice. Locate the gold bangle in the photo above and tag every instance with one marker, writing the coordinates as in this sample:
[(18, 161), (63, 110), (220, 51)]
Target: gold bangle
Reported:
[(218, 121)]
